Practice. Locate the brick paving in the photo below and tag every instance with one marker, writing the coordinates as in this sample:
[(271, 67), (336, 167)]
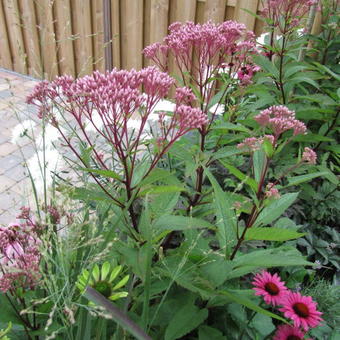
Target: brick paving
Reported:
[(14, 181)]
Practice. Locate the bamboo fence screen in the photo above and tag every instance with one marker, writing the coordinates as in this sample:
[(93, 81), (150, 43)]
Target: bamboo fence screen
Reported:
[(46, 38)]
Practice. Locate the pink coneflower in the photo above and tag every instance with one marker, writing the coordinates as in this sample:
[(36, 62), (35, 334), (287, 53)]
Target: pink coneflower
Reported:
[(288, 332), (302, 310), (270, 287)]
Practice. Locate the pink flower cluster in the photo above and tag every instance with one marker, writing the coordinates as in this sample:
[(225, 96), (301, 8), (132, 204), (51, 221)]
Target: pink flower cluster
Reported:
[(272, 192), (19, 257), (107, 102), (300, 309), (252, 143), (202, 50), (246, 73), (285, 14), (280, 119), (309, 156)]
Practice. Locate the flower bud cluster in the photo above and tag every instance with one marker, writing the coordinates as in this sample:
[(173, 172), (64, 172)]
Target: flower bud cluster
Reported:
[(309, 156), (202, 50), (252, 143), (291, 10), (280, 119)]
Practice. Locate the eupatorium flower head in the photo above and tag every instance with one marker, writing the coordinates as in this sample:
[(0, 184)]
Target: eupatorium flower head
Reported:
[(285, 14), (309, 156), (19, 257), (280, 119)]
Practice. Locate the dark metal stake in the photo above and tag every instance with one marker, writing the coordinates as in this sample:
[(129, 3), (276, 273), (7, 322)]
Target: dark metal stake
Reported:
[(107, 35)]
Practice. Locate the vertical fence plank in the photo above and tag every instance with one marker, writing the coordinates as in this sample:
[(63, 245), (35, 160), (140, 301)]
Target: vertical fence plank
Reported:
[(81, 18), (115, 25), (98, 34), (132, 33), (63, 24), (200, 12), (243, 16), (182, 10), (156, 22), (5, 53), (47, 38), (16, 40), (229, 13), (214, 10), (31, 38)]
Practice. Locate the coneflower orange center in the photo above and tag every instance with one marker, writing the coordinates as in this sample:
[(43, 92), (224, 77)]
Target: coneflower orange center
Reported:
[(293, 337), (272, 288), (301, 309)]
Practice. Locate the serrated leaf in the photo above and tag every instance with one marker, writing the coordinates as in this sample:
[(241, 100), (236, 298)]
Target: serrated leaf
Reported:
[(230, 126), (236, 297), (172, 222), (161, 189), (272, 234), (275, 209), (184, 321), (304, 178), (240, 175), (226, 218), (104, 173)]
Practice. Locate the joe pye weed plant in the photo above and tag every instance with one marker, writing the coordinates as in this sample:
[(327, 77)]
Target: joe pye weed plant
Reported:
[(177, 214)]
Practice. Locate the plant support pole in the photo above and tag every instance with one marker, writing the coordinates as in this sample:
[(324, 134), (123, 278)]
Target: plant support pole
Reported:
[(107, 34)]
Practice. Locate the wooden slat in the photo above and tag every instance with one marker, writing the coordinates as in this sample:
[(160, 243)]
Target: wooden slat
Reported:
[(229, 13), (81, 18), (244, 17), (63, 24), (5, 53), (182, 10), (156, 22), (115, 25), (214, 10), (16, 40), (259, 26), (31, 38), (47, 38), (98, 34), (132, 33), (200, 12)]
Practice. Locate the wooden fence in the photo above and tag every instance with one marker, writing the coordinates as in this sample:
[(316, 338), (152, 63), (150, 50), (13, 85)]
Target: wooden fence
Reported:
[(46, 38)]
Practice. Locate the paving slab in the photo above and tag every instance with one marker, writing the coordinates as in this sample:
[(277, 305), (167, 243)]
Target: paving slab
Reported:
[(14, 183)]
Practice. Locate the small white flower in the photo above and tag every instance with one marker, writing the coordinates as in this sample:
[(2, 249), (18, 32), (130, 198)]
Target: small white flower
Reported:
[(23, 132), (53, 164), (51, 135)]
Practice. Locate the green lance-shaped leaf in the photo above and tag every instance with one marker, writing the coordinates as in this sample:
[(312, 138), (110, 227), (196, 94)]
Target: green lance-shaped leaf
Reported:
[(276, 209), (172, 222), (238, 298), (226, 218), (305, 178), (272, 234)]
